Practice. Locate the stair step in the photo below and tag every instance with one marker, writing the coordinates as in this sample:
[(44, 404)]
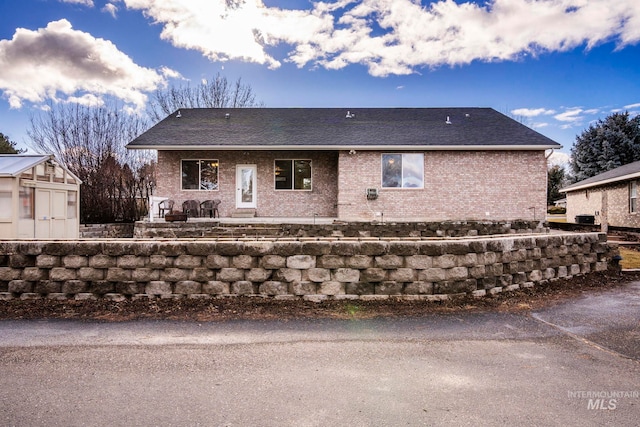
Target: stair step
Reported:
[(243, 213)]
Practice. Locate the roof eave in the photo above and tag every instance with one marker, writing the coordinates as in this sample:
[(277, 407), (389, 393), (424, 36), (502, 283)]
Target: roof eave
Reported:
[(348, 147), (600, 183)]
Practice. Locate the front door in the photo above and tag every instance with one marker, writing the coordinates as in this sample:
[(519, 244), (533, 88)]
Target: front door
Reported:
[(246, 186)]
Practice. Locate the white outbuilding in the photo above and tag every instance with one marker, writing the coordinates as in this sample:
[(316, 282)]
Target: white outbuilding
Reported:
[(39, 198)]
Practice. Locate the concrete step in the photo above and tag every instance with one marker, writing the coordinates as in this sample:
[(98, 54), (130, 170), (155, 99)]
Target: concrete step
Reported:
[(243, 213)]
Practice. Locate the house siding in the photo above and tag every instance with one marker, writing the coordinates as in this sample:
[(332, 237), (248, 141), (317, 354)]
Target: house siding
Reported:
[(616, 197), (321, 200), (458, 185)]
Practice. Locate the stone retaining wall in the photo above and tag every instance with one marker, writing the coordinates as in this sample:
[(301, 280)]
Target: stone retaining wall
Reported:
[(106, 231), (214, 229), (312, 268)]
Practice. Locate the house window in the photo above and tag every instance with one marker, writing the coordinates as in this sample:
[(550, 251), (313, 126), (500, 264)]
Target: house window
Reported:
[(633, 196), (199, 174), (292, 174), (403, 170)]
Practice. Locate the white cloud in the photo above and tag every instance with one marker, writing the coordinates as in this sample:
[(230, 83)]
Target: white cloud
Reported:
[(631, 106), (63, 64), (570, 115), (532, 112), (82, 2), (111, 9), (539, 125), (391, 36)]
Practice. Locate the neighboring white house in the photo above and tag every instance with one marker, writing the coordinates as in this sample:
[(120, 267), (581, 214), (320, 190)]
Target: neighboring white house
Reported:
[(38, 198)]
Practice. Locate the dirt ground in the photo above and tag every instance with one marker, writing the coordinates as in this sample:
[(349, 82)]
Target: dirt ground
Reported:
[(257, 308)]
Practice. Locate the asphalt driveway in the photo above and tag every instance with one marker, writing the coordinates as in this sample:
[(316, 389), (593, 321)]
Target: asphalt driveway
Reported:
[(577, 363)]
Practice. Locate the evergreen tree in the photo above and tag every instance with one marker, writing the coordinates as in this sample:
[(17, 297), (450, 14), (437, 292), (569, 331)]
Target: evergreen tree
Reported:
[(555, 181), (7, 146), (606, 145)]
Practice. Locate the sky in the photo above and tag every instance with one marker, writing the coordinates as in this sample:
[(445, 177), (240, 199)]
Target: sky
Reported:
[(557, 66)]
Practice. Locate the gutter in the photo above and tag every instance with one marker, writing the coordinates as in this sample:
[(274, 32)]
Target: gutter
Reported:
[(599, 183), (346, 147)]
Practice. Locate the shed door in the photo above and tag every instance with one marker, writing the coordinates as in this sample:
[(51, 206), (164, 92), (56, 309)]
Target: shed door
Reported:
[(59, 214), (43, 213), (51, 213)]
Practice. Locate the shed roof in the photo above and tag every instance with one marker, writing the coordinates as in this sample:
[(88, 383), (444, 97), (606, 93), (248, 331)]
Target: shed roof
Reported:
[(14, 164), (622, 173), (340, 129)]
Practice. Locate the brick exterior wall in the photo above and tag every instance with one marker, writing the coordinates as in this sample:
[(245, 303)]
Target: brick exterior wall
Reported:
[(458, 185), (320, 200), (611, 199), (584, 202), (309, 269)]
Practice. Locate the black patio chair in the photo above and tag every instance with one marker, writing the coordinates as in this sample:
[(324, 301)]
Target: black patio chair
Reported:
[(210, 207), (191, 208)]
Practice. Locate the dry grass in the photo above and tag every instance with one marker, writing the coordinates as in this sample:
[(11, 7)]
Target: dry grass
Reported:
[(630, 258)]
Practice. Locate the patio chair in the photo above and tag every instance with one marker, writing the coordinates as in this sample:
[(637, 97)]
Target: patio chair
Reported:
[(165, 207), (210, 207), (191, 208)]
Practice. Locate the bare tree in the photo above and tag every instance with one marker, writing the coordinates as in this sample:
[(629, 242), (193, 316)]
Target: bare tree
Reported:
[(90, 142), (216, 93)]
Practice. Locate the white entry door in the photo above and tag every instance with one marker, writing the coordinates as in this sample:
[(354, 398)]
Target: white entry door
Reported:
[(246, 186)]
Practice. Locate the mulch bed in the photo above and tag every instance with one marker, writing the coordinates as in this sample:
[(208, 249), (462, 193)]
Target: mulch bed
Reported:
[(255, 308)]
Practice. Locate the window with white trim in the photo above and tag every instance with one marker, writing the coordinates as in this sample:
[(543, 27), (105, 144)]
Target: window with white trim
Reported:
[(403, 170), (292, 174), (199, 174), (633, 196)]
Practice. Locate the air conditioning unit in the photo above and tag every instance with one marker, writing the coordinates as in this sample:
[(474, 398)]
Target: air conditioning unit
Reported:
[(372, 193)]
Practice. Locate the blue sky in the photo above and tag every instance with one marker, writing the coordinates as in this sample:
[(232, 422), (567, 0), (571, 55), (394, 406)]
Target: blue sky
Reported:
[(556, 65)]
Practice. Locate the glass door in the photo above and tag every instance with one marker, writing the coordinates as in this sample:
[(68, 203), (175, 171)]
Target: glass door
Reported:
[(246, 186)]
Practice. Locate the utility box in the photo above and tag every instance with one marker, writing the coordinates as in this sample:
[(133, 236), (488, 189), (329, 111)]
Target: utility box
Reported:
[(585, 219), (372, 193)]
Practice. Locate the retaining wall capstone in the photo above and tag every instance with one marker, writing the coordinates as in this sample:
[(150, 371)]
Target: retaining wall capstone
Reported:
[(309, 268)]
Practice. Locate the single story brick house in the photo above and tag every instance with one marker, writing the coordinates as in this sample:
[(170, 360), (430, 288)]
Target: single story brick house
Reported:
[(365, 164), (610, 197)]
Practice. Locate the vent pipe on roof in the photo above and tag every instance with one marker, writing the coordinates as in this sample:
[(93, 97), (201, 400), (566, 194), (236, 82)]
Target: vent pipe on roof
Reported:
[(178, 115), (448, 121), (349, 115), (227, 116)]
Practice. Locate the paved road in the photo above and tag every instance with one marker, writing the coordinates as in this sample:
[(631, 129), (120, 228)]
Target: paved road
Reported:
[(574, 364)]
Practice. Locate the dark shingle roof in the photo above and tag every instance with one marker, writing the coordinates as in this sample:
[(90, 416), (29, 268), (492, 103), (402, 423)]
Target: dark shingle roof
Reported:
[(329, 128), (622, 173)]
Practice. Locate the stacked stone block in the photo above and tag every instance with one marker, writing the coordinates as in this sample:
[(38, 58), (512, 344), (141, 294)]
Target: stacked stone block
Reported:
[(314, 269)]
